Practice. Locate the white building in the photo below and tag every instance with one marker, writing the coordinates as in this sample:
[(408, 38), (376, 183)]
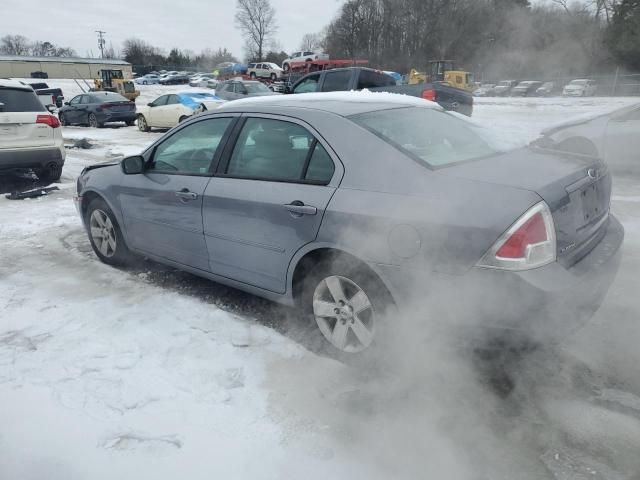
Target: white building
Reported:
[(59, 67)]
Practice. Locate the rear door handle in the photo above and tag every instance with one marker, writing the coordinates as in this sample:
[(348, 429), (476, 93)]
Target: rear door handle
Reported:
[(298, 209), (186, 195)]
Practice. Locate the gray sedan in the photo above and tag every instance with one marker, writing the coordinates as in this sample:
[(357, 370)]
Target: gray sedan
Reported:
[(374, 213), (240, 89)]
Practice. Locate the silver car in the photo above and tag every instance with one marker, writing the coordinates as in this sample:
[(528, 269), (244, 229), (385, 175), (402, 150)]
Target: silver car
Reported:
[(365, 210)]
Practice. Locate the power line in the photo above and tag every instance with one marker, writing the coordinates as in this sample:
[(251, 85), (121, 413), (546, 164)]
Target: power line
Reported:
[(101, 42)]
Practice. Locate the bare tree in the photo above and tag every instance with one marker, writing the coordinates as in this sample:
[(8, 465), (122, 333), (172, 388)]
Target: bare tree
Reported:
[(311, 41), (256, 19), (14, 45)]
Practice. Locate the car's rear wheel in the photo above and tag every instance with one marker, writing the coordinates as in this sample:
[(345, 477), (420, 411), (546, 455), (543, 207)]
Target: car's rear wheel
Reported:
[(182, 118), (104, 234), (274, 77), (63, 119), (252, 75), (286, 67), (348, 305), (142, 124), (92, 120), (50, 173), (144, 82)]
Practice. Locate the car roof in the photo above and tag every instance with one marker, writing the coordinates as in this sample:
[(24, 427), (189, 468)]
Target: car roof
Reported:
[(10, 83), (339, 103)]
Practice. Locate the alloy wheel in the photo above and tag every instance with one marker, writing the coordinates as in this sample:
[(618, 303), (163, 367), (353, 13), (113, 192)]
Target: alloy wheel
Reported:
[(142, 124), (103, 233), (93, 121), (344, 314)]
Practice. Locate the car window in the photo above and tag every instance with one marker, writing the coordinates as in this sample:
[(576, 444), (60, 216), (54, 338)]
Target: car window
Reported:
[(270, 149), (428, 136), (19, 100), (308, 84), (160, 101), (252, 65), (76, 100), (369, 79), (336, 81), (172, 100), (86, 99), (321, 167), (191, 150), (308, 53)]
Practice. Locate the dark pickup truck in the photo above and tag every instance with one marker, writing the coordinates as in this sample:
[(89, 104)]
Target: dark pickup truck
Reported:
[(360, 78), (48, 96)]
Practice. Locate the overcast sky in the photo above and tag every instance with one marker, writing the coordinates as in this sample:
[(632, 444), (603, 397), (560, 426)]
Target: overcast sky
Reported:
[(186, 24)]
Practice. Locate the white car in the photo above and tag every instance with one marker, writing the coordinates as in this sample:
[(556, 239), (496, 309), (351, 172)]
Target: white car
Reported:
[(302, 56), (30, 136), (581, 87), (200, 80), (613, 136), (168, 110), (149, 79), (264, 70)]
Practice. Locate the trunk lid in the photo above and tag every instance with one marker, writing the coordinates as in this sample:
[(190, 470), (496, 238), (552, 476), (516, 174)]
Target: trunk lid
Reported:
[(119, 106), (577, 189), (20, 130)]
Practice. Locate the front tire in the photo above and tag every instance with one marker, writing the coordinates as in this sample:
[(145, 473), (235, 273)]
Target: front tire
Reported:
[(274, 77), (347, 305), (105, 235), (252, 75), (142, 124)]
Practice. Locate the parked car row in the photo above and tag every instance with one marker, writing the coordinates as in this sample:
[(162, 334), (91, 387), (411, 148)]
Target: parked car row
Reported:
[(531, 88)]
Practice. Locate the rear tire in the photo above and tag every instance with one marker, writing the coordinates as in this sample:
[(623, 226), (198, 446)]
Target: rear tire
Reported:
[(92, 121), (286, 67), (51, 173), (252, 75), (347, 305), (182, 119), (105, 234)]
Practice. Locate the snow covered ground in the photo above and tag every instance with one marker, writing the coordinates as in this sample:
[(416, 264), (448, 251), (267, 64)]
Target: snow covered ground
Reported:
[(151, 373)]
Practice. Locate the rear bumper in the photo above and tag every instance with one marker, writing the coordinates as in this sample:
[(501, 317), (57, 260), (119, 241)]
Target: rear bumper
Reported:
[(541, 305), (117, 117), (30, 158)]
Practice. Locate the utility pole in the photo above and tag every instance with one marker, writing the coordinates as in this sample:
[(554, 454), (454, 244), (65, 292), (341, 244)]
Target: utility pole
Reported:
[(101, 42)]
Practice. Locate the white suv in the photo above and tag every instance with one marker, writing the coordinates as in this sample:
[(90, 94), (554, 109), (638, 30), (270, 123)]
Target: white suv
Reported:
[(30, 136), (264, 70), (303, 57)]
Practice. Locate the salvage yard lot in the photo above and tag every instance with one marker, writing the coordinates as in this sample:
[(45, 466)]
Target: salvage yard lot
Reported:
[(150, 373)]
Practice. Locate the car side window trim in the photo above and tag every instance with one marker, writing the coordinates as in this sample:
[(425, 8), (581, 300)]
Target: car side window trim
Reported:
[(318, 140), (149, 154)]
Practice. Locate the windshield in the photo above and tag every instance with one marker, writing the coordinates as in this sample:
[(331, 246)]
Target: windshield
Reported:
[(201, 96), (256, 88), (433, 137), (579, 82), (111, 97)]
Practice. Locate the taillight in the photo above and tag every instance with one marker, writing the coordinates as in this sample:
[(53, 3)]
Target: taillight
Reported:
[(50, 120), (429, 94), (529, 243)]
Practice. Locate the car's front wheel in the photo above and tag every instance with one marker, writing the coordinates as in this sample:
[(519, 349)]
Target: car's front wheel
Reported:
[(104, 234), (63, 119), (252, 75), (142, 124), (347, 304), (274, 77)]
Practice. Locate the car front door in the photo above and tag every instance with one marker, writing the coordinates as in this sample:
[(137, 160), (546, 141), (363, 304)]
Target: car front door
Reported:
[(155, 111), (622, 141), (162, 207), (267, 200), (73, 112)]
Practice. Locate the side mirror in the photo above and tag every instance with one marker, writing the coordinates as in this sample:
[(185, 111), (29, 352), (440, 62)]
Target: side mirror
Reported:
[(132, 165), (66, 103)]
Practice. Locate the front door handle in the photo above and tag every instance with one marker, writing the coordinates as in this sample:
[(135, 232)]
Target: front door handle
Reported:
[(298, 208), (185, 195)]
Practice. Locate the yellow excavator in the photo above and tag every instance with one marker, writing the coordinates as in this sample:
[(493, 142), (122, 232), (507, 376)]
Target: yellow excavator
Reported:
[(114, 81), (443, 71)]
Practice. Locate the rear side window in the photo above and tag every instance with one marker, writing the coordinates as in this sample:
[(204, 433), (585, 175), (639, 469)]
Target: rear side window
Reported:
[(18, 100), (429, 136), (336, 81), (369, 79)]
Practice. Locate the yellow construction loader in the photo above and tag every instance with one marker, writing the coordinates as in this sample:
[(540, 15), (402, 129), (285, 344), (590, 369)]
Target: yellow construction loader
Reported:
[(114, 81), (443, 71)]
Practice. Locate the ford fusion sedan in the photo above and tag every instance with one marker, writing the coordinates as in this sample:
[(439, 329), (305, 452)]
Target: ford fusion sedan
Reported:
[(373, 213), (94, 109), (168, 110)]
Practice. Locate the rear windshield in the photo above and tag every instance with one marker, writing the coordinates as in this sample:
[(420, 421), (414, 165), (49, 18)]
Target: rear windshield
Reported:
[(109, 97), (17, 100), (429, 136), (256, 87)]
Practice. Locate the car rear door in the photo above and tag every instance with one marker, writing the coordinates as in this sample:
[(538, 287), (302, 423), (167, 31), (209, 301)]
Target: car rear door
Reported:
[(172, 111), (18, 120), (267, 199), (155, 112), (162, 207)]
